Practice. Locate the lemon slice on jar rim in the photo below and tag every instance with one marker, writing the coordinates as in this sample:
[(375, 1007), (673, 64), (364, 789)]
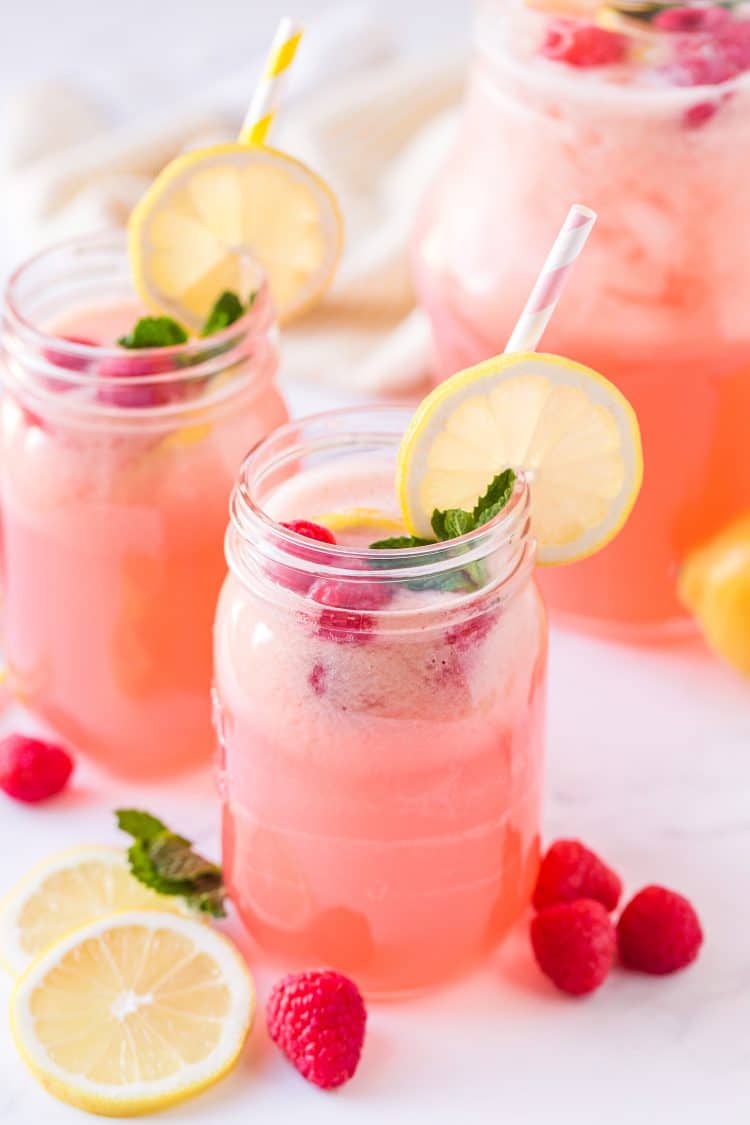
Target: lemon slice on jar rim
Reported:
[(218, 218), (565, 427)]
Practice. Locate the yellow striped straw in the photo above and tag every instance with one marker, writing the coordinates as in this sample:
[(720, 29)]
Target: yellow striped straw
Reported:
[(267, 97)]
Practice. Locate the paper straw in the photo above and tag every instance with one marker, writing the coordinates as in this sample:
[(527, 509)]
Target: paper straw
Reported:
[(549, 285), (267, 97)]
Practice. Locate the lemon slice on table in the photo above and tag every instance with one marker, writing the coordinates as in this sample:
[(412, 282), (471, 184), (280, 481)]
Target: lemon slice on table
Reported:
[(133, 1012), (568, 429), (64, 892), (213, 216)]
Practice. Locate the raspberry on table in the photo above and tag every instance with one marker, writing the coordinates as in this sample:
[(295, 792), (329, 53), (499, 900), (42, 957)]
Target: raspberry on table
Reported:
[(583, 44), (574, 945), (32, 770), (658, 932), (318, 1019), (570, 871)]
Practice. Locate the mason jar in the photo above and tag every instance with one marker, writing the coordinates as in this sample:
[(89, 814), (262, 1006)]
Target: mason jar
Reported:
[(641, 111), (115, 473), (380, 715)]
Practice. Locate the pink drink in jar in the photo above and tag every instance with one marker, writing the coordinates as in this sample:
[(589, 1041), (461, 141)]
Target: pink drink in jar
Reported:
[(380, 715), (117, 468), (647, 120)]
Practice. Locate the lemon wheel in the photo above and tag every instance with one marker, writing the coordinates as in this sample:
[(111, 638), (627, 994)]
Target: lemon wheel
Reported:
[(133, 1013), (214, 216), (570, 431), (64, 892)]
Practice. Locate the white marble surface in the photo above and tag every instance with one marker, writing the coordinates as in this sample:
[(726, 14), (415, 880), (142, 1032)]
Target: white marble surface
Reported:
[(649, 761)]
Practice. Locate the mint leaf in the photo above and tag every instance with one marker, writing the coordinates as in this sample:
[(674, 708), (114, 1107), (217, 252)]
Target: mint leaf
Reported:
[(456, 522), (139, 825), (227, 308), (399, 542), (452, 524), (154, 332), (455, 580), (146, 871), (174, 859), (166, 862), (495, 498)]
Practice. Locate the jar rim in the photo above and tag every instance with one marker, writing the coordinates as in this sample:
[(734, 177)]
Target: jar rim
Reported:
[(75, 364), (252, 525), (550, 76)]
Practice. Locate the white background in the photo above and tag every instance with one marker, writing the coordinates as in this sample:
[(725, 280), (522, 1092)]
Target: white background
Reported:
[(649, 761)]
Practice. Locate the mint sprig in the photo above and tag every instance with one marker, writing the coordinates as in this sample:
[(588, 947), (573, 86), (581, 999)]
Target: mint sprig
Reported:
[(154, 332), (456, 522), (166, 862), (452, 524), (166, 332), (226, 310)]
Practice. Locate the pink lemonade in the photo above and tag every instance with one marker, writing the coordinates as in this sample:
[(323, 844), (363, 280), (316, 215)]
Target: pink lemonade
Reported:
[(117, 468), (380, 715), (648, 124)]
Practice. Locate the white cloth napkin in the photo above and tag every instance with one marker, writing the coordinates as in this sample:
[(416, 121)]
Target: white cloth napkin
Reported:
[(377, 132)]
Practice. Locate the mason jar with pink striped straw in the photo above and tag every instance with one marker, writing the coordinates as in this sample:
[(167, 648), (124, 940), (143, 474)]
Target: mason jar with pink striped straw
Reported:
[(549, 285)]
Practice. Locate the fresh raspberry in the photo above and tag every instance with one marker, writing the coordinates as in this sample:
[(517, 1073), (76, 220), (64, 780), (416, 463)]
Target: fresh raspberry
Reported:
[(318, 679), (583, 45), (701, 67), (67, 360), (310, 530), (300, 580), (318, 1020), (470, 632), (130, 365), (691, 19), (711, 59), (348, 620), (699, 114), (31, 770), (574, 945), (735, 42), (658, 932), (571, 871)]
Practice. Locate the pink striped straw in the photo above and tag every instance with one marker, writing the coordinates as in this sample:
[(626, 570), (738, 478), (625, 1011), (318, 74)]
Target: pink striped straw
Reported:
[(549, 285)]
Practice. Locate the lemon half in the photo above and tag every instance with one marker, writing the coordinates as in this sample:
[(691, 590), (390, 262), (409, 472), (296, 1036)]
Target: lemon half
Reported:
[(714, 584), (133, 1013), (213, 216), (569, 430)]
